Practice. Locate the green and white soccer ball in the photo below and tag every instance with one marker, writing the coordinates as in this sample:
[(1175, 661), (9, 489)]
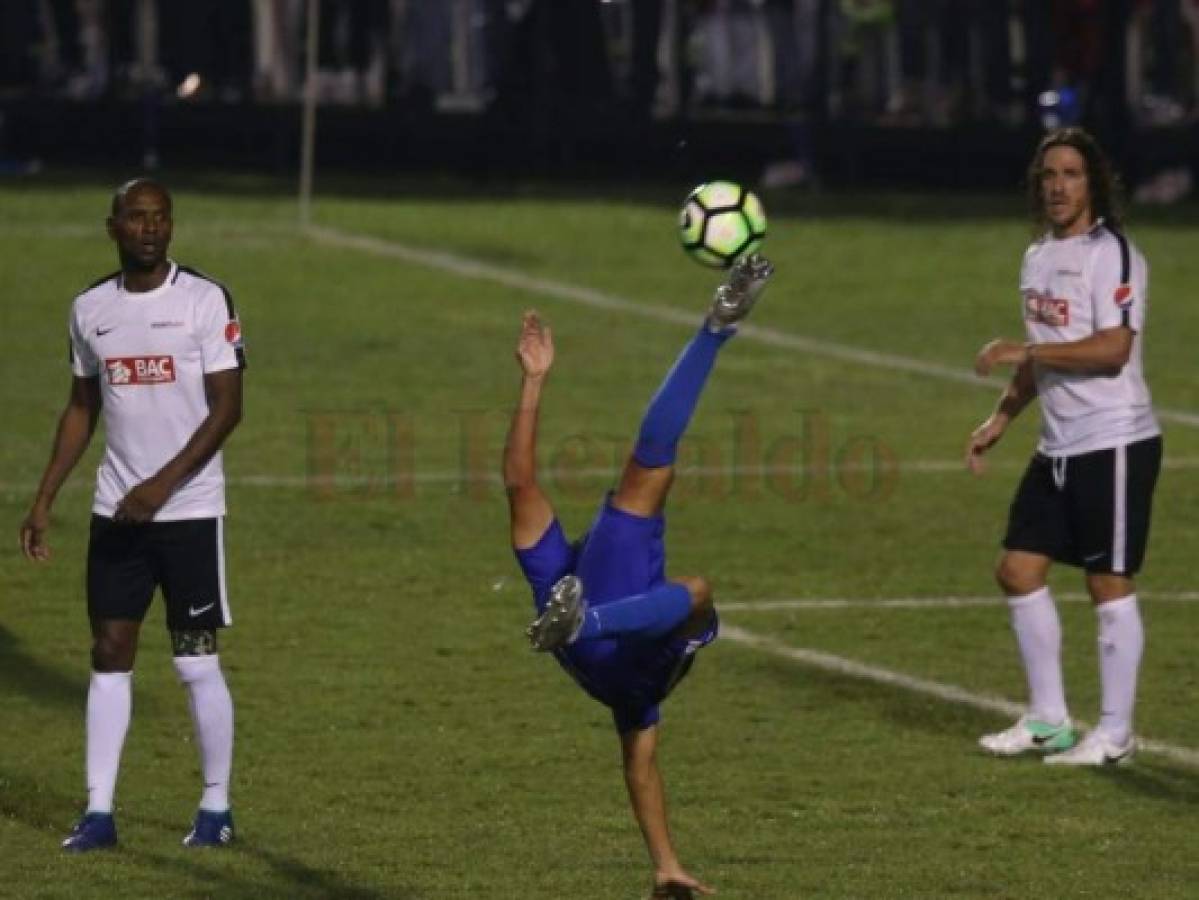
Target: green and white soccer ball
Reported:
[(720, 222)]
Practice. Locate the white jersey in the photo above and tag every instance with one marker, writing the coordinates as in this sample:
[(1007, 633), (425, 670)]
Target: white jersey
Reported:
[(151, 351), (1071, 288)]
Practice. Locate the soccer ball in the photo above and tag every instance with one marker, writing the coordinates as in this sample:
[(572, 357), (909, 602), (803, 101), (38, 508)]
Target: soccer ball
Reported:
[(721, 221)]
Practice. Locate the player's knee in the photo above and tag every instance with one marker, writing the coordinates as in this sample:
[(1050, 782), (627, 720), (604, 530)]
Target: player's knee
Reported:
[(1016, 580), (700, 591), (113, 652)]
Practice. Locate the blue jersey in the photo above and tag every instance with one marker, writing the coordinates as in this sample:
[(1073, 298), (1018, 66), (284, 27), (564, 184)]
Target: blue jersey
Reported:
[(622, 554)]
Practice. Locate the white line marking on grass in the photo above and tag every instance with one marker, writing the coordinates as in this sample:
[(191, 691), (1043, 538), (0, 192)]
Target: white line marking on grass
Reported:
[(818, 603), (448, 476), (840, 665), (560, 290)]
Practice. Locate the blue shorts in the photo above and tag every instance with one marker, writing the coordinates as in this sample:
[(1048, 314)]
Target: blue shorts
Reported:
[(622, 554)]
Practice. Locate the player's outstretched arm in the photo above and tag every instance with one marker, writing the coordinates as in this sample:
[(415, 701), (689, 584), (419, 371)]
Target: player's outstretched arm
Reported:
[(224, 391), (1017, 395), (647, 795), (529, 508), (75, 428)]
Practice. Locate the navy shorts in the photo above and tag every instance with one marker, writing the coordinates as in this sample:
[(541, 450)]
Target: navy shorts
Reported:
[(126, 562), (621, 554)]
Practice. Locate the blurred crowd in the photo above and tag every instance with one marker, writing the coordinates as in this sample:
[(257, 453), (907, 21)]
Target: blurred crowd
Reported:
[(898, 62)]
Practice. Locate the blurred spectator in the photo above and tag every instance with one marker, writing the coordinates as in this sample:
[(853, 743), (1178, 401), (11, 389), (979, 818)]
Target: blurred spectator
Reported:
[(206, 47), (728, 33), (18, 42), (557, 63), (351, 45)]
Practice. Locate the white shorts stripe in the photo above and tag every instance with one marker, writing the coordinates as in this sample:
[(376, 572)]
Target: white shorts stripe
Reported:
[(226, 616), (1120, 509)]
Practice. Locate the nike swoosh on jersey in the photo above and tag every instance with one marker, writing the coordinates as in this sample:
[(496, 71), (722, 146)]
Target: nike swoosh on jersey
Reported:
[(100, 332), (193, 612)]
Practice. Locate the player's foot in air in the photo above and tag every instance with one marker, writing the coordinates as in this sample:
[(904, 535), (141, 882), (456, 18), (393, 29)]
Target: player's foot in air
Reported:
[(1096, 749), (1030, 735), (95, 831), (736, 297), (211, 829), (560, 621)]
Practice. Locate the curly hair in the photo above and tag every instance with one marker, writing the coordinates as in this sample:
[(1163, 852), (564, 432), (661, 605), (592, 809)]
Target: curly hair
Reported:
[(1102, 181)]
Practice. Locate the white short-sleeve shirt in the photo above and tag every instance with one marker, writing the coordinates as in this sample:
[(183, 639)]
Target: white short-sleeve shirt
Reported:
[(150, 352), (1071, 288)]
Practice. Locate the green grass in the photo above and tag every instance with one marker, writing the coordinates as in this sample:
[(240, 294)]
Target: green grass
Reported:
[(395, 737)]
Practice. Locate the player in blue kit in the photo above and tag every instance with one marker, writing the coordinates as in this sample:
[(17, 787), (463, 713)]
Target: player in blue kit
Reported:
[(605, 608)]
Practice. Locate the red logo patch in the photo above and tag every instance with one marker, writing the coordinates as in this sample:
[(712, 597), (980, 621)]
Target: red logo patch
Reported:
[(1123, 295), (140, 369), (233, 332), (1046, 310)]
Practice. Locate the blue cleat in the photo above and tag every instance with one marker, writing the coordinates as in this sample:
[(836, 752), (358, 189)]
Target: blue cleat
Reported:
[(211, 829), (95, 831)]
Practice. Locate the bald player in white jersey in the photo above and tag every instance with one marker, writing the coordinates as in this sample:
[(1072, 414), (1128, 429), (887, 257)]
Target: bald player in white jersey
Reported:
[(157, 349), (1086, 496)]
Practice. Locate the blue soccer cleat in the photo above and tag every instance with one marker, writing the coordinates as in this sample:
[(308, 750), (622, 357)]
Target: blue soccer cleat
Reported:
[(95, 831), (211, 829)]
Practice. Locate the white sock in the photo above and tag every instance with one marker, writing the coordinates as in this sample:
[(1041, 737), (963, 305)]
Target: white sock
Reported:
[(1121, 640), (1039, 634), (109, 707), (212, 713)]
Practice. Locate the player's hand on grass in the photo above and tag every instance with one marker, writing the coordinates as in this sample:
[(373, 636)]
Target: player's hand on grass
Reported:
[(985, 437), (33, 534), (678, 885), (535, 349), (999, 352), (141, 503)]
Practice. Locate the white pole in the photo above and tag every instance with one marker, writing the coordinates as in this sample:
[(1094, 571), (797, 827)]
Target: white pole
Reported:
[(308, 133)]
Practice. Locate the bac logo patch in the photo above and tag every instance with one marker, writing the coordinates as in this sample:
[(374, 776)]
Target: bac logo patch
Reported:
[(1045, 309), (233, 333), (1123, 296), (140, 369)]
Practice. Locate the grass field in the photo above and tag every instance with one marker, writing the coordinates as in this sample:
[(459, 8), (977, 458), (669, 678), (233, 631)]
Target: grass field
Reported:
[(396, 739)]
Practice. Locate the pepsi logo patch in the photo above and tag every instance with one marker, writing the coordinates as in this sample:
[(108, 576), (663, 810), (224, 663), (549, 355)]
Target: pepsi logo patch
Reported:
[(233, 332), (125, 370), (1123, 296)]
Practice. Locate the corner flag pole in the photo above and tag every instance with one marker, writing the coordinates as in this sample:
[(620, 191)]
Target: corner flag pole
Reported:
[(308, 130)]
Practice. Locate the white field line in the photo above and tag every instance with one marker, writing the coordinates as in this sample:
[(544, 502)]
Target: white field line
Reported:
[(466, 267), (911, 467), (825, 603), (840, 665)]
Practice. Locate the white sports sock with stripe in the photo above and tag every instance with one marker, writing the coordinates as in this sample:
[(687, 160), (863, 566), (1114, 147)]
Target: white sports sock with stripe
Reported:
[(212, 714), (109, 708), (1121, 642), (1039, 635)]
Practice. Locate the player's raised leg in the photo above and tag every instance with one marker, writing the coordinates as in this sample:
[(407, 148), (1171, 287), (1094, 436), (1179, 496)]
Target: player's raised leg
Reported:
[(649, 471), (652, 614)]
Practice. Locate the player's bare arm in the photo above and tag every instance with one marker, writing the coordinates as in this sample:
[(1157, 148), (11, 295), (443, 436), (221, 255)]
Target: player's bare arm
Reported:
[(647, 795), (224, 393), (75, 428), (1015, 397), (1103, 353), (528, 506)]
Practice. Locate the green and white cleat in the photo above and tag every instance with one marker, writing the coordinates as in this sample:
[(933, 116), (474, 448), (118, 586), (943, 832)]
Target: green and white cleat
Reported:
[(736, 297), (1030, 735), (1096, 749), (562, 618)]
